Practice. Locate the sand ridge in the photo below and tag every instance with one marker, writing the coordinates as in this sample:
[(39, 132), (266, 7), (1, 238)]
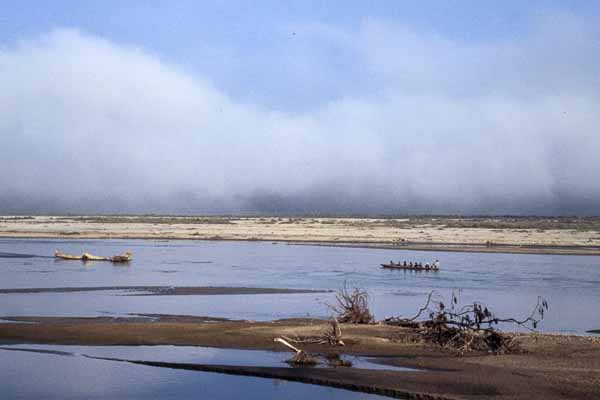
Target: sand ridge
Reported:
[(550, 367), (485, 234)]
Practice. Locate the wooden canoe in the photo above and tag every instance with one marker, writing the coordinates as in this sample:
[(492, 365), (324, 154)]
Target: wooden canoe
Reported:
[(91, 257), (413, 268), (125, 257), (66, 256), (121, 258)]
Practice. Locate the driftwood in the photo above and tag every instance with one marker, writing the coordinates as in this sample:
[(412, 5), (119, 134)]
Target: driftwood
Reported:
[(352, 306), (301, 357), (334, 336), (331, 336), (334, 360), (466, 328)]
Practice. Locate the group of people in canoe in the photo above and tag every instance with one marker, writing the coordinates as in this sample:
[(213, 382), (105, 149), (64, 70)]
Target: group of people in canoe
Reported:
[(434, 266), (125, 257)]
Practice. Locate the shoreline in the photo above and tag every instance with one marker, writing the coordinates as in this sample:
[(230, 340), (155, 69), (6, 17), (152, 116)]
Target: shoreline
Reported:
[(467, 248), (564, 250), (550, 366), (556, 236)]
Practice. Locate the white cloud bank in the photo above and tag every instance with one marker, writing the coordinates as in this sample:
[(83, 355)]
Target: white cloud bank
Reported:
[(87, 125)]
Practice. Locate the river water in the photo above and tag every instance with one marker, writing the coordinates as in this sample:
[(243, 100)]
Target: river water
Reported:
[(66, 372), (509, 284)]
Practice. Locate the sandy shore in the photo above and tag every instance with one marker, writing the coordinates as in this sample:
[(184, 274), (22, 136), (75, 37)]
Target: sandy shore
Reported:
[(551, 366), (489, 234)]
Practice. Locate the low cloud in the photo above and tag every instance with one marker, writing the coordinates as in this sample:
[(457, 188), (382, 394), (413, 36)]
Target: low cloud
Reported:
[(418, 124)]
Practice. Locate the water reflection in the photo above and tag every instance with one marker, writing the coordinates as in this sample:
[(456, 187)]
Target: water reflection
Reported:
[(55, 374), (193, 355)]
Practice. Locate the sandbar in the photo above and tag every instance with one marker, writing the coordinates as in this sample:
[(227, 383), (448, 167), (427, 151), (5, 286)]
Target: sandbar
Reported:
[(534, 235), (550, 366)]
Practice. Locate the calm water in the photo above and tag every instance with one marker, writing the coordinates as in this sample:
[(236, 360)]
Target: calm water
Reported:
[(33, 375), (191, 355), (508, 283)]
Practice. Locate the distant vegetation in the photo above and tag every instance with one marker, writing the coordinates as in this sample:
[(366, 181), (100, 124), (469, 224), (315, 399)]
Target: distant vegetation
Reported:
[(151, 220), (400, 222)]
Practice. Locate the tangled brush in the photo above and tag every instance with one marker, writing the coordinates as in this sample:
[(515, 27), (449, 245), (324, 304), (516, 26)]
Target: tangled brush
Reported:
[(352, 306), (467, 328)]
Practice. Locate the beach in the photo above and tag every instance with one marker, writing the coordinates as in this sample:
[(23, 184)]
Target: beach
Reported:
[(527, 235), (547, 367)]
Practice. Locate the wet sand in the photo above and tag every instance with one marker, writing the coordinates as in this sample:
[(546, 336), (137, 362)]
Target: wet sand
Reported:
[(551, 366), (552, 235)]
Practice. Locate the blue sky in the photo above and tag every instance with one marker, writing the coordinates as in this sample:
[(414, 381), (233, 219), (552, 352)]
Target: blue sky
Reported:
[(170, 26), (239, 43), (300, 106)]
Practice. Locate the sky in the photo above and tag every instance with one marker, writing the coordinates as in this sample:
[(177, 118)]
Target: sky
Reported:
[(300, 107)]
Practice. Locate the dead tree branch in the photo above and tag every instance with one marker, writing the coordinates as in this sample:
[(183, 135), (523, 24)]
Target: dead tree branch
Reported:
[(331, 336), (352, 306), (301, 357), (470, 327)]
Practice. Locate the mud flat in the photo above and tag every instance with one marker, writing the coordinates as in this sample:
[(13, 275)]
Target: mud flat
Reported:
[(537, 235), (549, 366)]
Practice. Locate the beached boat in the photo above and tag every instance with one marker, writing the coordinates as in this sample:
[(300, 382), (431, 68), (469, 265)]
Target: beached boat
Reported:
[(91, 257), (66, 256), (125, 257)]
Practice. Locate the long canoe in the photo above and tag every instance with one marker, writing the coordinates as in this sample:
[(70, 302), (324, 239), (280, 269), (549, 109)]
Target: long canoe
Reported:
[(125, 257), (400, 266), (66, 256), (121, 258), (91, 257)]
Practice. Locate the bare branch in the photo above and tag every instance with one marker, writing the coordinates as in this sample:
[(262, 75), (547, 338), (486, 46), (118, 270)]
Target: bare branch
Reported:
[(467, 327), (352, 306)]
